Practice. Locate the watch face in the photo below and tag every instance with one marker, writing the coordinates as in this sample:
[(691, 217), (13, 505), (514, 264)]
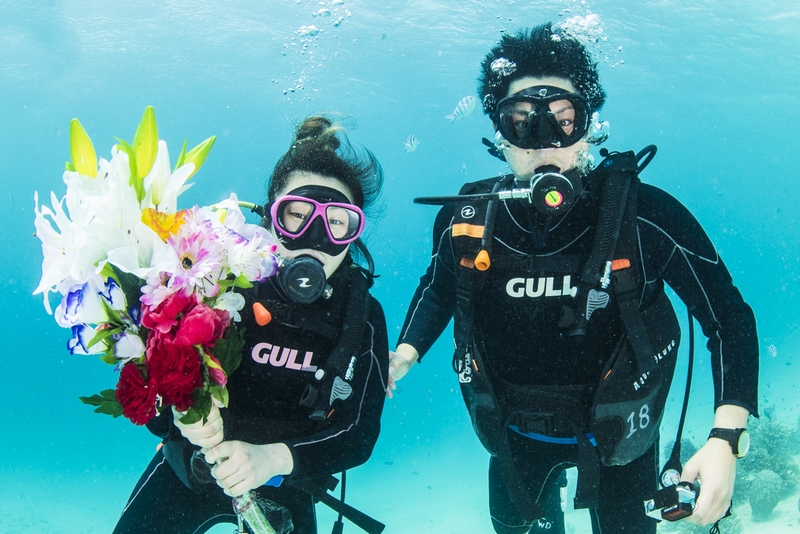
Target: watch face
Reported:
[(744, 443)]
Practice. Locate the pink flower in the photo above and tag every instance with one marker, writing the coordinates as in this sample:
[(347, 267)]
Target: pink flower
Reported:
[(217, 375), (167, 314), (200, 256), (202, 326)]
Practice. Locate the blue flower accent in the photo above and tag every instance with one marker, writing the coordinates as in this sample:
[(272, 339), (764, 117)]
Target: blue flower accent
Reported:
[(135, 313), (114, 295), (81, 336)]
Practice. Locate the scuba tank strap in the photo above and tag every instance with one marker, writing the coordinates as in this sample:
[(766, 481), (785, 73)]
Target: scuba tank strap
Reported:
[(627, 286), (333, 381), (471, 275), (618, 171)]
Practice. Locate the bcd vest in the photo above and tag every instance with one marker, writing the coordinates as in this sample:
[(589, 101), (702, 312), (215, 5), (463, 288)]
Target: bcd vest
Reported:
[(624, 412)]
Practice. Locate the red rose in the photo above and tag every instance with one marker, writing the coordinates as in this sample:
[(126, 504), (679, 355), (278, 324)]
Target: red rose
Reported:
[(138, 398), (166, 314), (202, 326), (175, 368)]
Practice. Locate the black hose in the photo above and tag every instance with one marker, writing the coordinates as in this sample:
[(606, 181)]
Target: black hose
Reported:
[(615, 192)]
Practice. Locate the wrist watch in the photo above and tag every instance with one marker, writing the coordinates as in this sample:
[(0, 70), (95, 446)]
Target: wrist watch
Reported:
[(739, 439)]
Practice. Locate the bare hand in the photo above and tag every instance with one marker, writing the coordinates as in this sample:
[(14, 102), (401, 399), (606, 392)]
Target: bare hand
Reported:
[(400, 363), (243, 466), (204, 435), (715, 466)]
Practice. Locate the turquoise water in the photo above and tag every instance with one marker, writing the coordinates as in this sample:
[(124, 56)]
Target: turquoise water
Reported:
[(713, 85)]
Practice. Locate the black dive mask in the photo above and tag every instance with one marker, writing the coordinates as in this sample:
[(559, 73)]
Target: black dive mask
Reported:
[(302, 279), (553, 192), (542, 117)]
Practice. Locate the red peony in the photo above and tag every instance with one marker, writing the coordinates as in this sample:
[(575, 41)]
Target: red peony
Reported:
[(166, 314), (138, 399), (175, 368), (202, 326)]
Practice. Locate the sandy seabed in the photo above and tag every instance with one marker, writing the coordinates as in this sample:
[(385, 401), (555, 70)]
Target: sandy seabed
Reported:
[(410, 495)]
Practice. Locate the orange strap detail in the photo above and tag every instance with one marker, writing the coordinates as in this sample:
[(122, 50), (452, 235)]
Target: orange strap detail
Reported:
[(470, 230), (618, 265)]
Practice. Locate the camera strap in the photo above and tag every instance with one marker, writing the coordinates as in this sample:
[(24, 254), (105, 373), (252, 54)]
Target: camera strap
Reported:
[(674, 461)]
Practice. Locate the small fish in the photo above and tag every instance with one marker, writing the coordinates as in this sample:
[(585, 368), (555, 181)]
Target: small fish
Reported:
[(772, 350), (465, 106), (411, 143)]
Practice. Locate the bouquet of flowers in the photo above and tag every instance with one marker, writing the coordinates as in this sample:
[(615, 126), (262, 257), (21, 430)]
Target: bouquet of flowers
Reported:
[(143, 284)]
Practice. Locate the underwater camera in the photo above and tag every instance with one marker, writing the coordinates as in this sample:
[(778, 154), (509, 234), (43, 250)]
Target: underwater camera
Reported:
[(673, 502)]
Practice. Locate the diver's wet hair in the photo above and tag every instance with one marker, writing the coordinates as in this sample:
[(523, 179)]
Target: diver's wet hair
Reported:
[(321, 147), (539, 51)]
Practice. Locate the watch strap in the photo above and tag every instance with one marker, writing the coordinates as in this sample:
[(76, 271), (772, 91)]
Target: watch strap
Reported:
[(731, 435)]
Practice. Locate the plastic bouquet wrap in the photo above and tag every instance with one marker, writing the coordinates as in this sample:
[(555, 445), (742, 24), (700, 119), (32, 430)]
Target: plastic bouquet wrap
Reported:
[(144, 285)]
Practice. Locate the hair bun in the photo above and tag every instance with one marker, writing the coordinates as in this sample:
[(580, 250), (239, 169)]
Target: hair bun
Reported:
[(320, 131)]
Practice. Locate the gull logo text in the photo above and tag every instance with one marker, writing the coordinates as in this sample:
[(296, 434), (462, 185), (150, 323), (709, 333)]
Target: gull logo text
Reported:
[(550, 286), (267, 353)]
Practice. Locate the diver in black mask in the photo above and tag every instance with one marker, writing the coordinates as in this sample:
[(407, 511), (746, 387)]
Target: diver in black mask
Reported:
[(554, 276)]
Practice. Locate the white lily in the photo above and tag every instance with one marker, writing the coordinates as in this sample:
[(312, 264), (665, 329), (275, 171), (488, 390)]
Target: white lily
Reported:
[(162, 186)]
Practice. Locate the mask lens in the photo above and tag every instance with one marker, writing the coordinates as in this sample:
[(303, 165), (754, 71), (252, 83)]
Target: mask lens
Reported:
[(563, 112), (344, 224), (294, 216), (516, 119)]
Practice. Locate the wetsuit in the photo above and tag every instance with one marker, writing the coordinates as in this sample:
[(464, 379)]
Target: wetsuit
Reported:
[(278, 361), (516, 325)]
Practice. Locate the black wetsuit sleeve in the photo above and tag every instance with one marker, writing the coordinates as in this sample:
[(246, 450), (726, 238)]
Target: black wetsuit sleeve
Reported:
[(347, 441), (676, 249), (434, 301)]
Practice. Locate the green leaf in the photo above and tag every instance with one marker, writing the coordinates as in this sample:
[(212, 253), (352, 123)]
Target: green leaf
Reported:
[(220, 393), (145, 142), (228, 350), (242, 282), (130, 284), (199, 410), (106, 403), (223, 286), (109, 357), (102, 335), (70, 167), (135, 181)]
